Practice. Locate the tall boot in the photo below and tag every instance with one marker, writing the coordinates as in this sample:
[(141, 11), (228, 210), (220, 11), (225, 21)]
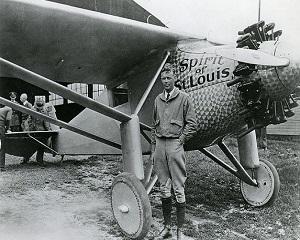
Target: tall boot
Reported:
[(166, 209), (180, 212), (40, 156)]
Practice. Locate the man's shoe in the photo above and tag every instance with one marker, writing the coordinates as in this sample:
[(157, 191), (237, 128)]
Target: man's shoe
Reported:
[(166, 233)]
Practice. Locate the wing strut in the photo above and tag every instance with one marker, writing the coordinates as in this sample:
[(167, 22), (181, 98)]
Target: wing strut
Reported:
[(47, 84), (57, 122), (41, 143), (152, 82)]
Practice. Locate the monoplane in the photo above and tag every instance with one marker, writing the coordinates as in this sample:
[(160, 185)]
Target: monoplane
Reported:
[(235, 89)]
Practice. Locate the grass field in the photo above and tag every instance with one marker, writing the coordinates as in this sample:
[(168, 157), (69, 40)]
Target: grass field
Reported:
[(216, 209)]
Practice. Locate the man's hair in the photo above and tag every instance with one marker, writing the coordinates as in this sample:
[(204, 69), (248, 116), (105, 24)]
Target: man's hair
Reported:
[(12, 94), (168, 68), (23, 95)]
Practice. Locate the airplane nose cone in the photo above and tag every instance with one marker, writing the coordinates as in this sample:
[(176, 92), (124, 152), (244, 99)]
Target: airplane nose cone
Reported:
[(290, 75), (280, 82)]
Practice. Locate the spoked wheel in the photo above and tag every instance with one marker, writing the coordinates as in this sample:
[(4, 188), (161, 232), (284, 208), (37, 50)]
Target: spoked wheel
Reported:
[(267, 190), (131, 206)]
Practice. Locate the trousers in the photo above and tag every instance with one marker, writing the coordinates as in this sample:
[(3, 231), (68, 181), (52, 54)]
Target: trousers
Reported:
[(169, 164)]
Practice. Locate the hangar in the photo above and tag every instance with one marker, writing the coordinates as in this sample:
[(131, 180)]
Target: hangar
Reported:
[(67, 110)]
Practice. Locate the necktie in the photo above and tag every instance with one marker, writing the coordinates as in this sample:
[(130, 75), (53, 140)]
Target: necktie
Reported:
[(168, 95)]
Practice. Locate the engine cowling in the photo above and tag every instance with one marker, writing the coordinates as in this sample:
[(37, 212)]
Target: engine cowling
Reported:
[(280, 82), (266, 90)]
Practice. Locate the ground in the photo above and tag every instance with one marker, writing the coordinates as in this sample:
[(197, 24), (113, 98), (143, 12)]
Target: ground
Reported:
[(70, 200)]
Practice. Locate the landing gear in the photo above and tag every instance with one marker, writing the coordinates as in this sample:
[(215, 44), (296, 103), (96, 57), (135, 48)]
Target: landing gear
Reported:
[(131, 206), (259, 179), (268, 185)]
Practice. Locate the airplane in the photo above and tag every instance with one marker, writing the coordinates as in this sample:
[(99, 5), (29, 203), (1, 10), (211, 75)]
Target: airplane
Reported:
[(235, 89)]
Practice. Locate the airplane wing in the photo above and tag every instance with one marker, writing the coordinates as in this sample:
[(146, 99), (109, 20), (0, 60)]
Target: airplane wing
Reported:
[(69, 44)]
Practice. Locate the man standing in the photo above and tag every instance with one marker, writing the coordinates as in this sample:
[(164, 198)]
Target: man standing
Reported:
[(40, 125), (5, 117), (174, 124), (26, 121), (25, 117), (15, 119)]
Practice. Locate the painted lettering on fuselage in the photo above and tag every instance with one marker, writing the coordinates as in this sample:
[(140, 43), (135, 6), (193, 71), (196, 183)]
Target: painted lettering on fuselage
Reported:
[(197, 70)]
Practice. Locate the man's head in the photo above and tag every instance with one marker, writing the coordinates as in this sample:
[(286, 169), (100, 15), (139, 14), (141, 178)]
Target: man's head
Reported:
[(167, 77), (23, 97), (12, 96), (39, 103)]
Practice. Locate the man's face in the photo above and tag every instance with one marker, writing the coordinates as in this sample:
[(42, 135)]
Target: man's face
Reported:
[(168, 80), (23, 98)]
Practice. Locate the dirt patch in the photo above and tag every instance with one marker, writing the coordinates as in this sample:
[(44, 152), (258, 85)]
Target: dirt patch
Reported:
[(71, 200), (57, 202)]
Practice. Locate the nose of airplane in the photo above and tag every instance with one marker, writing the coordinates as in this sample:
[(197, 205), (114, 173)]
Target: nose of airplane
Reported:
[(280, 82), (289, 76)]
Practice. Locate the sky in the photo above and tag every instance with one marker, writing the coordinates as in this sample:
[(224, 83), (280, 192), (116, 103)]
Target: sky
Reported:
[(220, 20)]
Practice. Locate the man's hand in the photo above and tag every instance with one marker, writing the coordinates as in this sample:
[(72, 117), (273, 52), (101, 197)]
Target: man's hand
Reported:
[(181, 140), (8, 131)]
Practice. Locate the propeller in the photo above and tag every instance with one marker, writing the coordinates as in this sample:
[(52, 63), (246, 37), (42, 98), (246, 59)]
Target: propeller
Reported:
[(252, 57), (255, 46), (264, 91)]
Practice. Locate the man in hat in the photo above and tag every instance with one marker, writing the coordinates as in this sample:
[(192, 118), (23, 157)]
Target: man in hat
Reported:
[(5, 117), (15, 118), (40, 125), (174, 123)]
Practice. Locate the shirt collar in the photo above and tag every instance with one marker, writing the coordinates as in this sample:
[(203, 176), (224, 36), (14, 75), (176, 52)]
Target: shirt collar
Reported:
[(170, 93)]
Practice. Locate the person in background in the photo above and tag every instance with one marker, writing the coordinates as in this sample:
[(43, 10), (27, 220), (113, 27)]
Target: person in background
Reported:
[(5, 118), (51, 112), (25, 117), (261, 134), (15, 125), (40, 125), (174, 123), (26, 121)]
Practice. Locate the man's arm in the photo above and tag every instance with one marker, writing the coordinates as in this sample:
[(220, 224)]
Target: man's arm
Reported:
[(190, 123)]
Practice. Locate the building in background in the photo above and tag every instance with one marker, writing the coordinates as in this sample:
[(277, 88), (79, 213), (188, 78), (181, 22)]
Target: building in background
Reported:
[(66, 110)]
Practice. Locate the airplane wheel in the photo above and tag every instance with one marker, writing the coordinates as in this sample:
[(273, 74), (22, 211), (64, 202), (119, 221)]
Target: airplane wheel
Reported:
[(131, 206), (268, 185)]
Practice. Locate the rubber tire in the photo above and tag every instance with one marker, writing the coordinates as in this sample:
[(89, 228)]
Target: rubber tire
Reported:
[(140, 193), (276, 185)]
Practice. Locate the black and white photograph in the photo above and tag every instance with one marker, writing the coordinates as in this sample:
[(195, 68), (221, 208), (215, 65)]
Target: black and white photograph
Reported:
[(149, 119)]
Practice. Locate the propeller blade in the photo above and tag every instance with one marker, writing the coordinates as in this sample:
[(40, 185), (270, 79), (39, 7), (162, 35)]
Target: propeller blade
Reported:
[(252, 57)]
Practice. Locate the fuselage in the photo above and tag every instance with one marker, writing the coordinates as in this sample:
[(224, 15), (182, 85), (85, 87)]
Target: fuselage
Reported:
[(221, 109), (204, 75)]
